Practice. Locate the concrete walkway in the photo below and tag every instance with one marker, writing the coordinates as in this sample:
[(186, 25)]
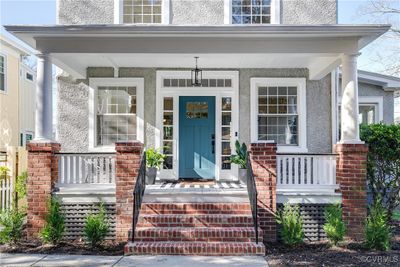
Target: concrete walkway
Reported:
[(133, 261)]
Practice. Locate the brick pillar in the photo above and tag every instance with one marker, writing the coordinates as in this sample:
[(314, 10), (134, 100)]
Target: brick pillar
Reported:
[(127, 168), (263, 161), (351, 172), (42, 176)]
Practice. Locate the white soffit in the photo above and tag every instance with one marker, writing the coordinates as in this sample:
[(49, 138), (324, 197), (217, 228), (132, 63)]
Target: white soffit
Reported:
[(76, 64)]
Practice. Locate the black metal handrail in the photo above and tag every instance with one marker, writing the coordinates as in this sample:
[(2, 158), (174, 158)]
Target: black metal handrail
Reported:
[(253, 195), (138, 193)]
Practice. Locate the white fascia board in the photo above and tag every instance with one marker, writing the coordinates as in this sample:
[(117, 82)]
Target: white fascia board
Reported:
[(364, 34)]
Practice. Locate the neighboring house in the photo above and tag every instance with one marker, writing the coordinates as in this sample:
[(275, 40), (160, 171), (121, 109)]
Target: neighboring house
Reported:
[(397, 107), (268, 79), (377, 98), (17, 96)]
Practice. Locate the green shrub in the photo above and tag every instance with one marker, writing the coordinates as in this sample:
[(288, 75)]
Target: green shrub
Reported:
[(383, 165), (54, 229), (292, 224), (20, 185), (241, 155), (154, 158), (96, 227), (377, 230), (12, 221), (334, 226)]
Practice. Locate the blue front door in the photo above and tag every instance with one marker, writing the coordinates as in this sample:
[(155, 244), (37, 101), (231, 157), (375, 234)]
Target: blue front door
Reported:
[(197, 137)]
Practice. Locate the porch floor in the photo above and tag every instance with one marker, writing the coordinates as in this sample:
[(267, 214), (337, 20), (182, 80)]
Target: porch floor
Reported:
[(194, 192)]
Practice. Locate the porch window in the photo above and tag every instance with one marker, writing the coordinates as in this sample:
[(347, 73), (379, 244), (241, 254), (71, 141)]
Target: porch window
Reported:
[(2, 74), (226, 130), (116, 114), (142, 11), (251, 11), (277, 114), (168, 132)]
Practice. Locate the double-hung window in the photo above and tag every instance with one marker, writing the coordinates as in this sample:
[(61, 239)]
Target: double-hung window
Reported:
[(117, 108), (2, 73), (142, 11), (278, 112), (251, 11)]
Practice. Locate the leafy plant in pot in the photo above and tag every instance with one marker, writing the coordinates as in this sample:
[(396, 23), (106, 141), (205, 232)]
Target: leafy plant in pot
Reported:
[(154, 160), (241, 159)]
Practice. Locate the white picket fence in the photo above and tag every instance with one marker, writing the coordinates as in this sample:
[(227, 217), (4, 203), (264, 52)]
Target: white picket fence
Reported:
[(86, 168), (6, 193), (306, 172)]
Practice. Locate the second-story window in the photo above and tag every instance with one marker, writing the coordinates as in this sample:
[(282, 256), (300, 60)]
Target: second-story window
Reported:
[(2, 74), (251, 11), (142, 11)]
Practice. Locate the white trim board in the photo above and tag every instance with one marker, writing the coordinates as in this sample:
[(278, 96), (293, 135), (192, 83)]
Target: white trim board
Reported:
[(218, 92), (370, 100), (96, 82), (300, 83)]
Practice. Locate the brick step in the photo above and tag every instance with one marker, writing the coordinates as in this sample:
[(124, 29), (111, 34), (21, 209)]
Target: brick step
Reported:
[(194, 248), (196, 208), (176, 234), (207, 220)]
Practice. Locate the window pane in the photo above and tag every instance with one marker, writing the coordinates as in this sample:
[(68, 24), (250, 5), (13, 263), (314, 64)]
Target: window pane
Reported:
[(277, 119), (138, 11), (251, 12)]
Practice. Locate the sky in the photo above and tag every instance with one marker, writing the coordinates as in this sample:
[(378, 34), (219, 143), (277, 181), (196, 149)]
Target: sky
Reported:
[(44, 12)]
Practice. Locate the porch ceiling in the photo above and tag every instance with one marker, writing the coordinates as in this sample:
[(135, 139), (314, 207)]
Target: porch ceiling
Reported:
[(317, 47)]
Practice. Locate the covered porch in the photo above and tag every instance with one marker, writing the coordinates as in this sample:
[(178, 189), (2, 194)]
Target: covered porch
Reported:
[(239, 63)]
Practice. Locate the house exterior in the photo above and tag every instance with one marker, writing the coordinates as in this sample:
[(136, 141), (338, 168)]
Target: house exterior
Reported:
[(269, 78), (377, 95), (17, 91)]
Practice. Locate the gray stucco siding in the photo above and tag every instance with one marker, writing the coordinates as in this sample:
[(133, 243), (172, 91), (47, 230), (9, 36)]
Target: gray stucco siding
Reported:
[(73, 106), (197, 12), (308, 11), (85, 12)]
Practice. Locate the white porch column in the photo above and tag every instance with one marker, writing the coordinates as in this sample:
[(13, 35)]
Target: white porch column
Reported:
[(349, 107), (44, 99)]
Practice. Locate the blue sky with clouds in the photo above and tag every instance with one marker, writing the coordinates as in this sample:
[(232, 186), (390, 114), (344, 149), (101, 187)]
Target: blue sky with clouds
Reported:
[(44, 12)]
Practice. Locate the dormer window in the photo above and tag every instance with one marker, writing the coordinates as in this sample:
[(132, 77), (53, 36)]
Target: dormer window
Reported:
[(142, 11), (251, 11)]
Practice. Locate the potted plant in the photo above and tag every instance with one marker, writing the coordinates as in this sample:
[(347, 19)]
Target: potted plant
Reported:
[(241, 159), (154, 160)]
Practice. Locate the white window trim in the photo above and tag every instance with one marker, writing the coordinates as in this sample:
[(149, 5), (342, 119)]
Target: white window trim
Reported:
[(300, 83), (218, 92), (94, 83), (275, 12), (119, 12), (5, 91)]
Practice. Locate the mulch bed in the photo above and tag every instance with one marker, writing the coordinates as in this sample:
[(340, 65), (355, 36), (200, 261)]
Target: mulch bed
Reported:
[(76, 248), (322, 254)]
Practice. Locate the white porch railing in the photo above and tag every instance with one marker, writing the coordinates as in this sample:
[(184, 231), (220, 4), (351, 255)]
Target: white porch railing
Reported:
[(306, 172), (93, 168)]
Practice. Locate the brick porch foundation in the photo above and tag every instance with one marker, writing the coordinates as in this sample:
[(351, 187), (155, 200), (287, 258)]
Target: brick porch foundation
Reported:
[(263, 161), (351, 174), (127, 166), (42, 176)]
